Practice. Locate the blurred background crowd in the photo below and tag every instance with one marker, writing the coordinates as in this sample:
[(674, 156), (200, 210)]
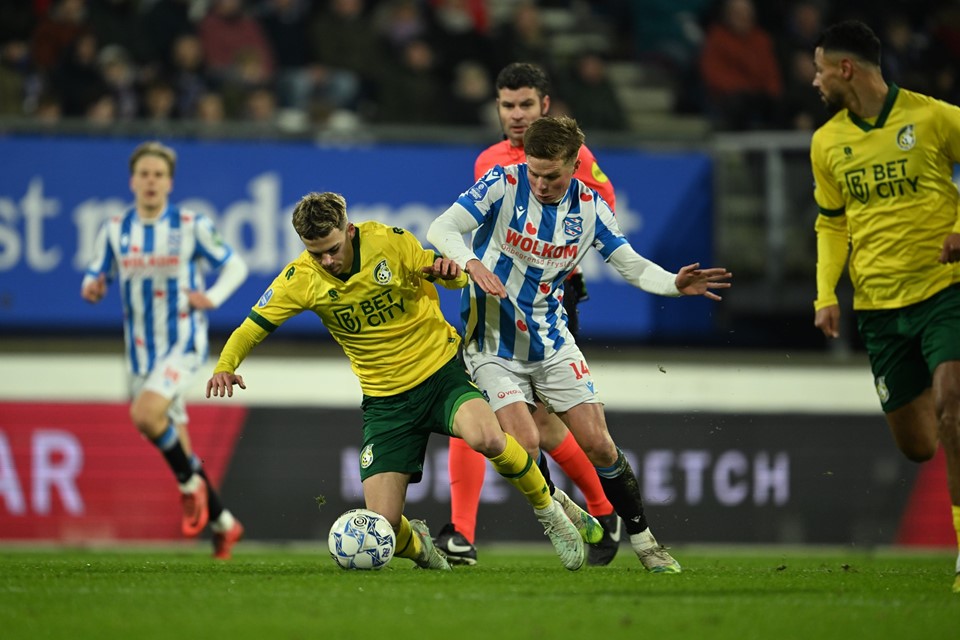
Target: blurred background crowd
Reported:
[(617, 65)]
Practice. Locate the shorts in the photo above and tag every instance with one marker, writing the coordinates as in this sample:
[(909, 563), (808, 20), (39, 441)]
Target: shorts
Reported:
[(562, 381), (171, 377), (396, 428), (906, 345)]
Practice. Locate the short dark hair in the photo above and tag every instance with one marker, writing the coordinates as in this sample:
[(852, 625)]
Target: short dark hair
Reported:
[(317, 214), (518, 75), (550, 138), (851, 36)]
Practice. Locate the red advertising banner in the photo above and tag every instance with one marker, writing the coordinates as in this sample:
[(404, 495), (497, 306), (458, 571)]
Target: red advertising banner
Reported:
[(82, 472)]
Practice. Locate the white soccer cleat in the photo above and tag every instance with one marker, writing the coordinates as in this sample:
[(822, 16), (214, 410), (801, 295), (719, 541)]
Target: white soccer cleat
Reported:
[(590, 529), (653, 556), (430, 557), (564, 536)]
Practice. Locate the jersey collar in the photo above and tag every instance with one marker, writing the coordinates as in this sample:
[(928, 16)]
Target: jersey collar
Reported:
[(884, 112)]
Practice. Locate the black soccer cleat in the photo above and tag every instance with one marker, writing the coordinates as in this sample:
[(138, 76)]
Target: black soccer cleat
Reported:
[(452, 544), (603, 552)]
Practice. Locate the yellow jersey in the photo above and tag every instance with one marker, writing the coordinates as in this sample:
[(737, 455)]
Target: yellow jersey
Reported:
[(885, 194), (386, 315)]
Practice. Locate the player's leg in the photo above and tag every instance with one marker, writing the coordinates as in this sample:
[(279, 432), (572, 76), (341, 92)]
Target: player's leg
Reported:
[(150, 414), (475, 422), (560, 444), (946, 393), (467, 469)]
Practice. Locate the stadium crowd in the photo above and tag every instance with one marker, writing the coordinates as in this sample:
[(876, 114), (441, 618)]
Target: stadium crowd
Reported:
[(740, 64)]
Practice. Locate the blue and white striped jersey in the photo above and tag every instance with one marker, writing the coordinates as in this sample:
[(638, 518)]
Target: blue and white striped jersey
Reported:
[(157, 263), (531, 247)]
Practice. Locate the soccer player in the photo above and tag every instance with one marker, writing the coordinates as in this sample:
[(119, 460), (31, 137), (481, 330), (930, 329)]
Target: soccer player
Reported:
[(372, 287), (882, 167), (534, 223), (523, 96), (158, 251)]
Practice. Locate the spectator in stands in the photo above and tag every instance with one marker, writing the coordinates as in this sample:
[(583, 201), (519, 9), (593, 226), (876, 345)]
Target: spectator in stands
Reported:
[(523, 37), (410, 92), (905, 55), (667, 33), (457, 38), (740, 71), (119, 22), (160, 102), (210, 109), (472, 92), (591, 95), (119, 74), (228, 33), (57, 31), (167, 20), (78, 78), (187, 74)]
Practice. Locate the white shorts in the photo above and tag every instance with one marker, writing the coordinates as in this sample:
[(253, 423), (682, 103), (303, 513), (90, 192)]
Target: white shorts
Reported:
[(170, 377), (561, 382)]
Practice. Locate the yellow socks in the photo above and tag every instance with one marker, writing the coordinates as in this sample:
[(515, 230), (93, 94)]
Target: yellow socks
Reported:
[(517, 467), (408, 545)]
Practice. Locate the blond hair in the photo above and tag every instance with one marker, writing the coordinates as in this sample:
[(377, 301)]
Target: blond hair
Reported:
[(317, 214)]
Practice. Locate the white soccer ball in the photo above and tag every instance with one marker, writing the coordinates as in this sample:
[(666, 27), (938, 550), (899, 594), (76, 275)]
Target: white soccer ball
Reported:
[(361, 539)]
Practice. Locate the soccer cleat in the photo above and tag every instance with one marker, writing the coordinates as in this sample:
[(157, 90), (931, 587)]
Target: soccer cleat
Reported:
[(603, 552), (653, 556), (430, 557), (563, 535), (454, 546), (587, 526), (193, 501), (223, 542)]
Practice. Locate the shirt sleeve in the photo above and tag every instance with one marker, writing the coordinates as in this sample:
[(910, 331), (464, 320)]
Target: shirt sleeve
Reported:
[(239, 345), (833, 243), (103, 260), (642, 273), (232, 274)]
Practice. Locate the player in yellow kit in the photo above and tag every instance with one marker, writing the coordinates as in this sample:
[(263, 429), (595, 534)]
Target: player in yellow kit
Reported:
[(372, 287), (883, 167)]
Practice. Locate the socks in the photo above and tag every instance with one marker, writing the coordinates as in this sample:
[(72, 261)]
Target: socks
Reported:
[(621, 487), (467, 468), (214, 506), (545, 470), (517, 467), (578, 468), (176, 457), (408, 545)]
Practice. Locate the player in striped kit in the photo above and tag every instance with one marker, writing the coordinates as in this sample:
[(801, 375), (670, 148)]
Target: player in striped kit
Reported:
[(533, 224), (523, 96), (157, 252)]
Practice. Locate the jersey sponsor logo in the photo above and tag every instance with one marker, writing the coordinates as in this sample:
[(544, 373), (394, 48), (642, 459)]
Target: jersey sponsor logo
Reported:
[(906, 139), (374, 312), (265, 298), (573, 226), (334, 294), (382, 274), (883, 179), (541, 248), (366, 456), (532, 230)]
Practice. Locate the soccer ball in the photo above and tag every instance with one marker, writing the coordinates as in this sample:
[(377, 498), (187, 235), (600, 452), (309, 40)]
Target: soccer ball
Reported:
[(361, 539)]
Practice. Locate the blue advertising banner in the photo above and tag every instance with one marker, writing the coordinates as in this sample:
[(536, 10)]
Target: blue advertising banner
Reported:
[(55, 193)]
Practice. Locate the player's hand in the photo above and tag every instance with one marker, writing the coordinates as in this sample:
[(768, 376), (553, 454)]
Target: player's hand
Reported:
[(486, 279), (94, 291), (221, 384), (694, 281), (443, 268), (827, 320), (199, 300), (951, 249)]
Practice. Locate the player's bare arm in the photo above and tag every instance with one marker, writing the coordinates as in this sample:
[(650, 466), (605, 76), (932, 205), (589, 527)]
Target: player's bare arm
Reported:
[(694, 281), (443, 268), (951, 249), (489, 283), (221, 384)]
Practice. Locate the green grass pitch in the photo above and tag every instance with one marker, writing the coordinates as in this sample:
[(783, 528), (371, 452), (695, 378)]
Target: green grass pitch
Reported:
[(521, 593)]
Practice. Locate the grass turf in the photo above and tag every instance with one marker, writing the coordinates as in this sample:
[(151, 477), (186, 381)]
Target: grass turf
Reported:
[(514, 593)]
